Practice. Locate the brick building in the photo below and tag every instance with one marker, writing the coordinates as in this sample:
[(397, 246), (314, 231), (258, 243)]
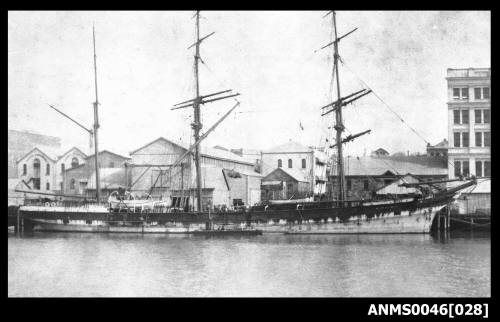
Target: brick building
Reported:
[(366, 175)]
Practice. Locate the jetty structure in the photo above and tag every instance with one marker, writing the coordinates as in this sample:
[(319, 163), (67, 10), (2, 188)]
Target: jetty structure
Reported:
[(411, 214)]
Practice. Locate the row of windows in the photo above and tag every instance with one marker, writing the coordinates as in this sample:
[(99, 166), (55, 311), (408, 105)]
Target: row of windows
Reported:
[(36, 166), (461, 139), (483, 168), (290, 163), (481, 116), (462, 93)]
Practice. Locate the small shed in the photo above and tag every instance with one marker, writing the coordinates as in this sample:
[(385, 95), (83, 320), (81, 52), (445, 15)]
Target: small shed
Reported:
[(282, 184)]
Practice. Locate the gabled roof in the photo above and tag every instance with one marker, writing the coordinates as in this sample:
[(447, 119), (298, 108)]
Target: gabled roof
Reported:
[(109, 152), (380, 150), (442, 144), (378, 166), (154, 141), (39, 151), (294, 174), (394, 188), (289, 147), (205, 151), (73, 148)]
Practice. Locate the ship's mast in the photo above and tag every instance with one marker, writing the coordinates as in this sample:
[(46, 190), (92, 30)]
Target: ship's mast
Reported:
[(96, 126), (196, 103), (339, 127), (196, 107), (336, 107)]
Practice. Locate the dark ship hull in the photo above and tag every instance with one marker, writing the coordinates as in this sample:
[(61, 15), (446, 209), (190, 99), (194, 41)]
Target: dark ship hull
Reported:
[(411, 215)]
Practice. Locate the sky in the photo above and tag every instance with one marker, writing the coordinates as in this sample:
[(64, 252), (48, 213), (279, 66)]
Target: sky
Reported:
[(144, 68)]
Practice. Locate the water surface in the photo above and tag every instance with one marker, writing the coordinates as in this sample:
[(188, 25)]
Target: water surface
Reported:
[(73, 264)]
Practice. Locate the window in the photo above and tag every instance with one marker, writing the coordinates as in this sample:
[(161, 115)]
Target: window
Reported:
[(303, 163), (289, 163), (62, 167), (25, 169), (486, 116), (111, 164), (465, 116), (47, 186), (461, 117), (487, 139), (280, 164), (61, 186), (465, 139), (486, 93), (477, 116), (458, 168), (456, 139), (465, 168), (465, 93), (479, 169), (74, 162), (349, 184), (365, 185), (477, 93), (461, 93), (47, 168), (72, 184), (479, 138), (487, 168), (456, 117)]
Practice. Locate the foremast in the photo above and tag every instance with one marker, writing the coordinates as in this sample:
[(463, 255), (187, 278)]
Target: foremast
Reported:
[(96, 126)]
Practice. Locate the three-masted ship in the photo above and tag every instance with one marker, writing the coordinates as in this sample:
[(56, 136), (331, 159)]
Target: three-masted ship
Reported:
[(412, 214)]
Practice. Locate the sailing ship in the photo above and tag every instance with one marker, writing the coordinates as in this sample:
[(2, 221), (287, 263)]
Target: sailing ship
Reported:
[(412, 214)]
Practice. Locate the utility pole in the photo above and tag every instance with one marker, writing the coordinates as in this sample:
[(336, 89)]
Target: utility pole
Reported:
[(96, 126)]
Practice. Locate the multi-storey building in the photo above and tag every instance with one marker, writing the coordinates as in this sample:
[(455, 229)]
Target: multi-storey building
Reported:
[(301, 163), (469, 122)]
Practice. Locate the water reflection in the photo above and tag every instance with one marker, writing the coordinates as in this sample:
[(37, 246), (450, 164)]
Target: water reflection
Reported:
[(69, 264)]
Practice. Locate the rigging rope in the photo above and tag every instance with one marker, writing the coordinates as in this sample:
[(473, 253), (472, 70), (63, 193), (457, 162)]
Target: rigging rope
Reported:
[(391, 109)]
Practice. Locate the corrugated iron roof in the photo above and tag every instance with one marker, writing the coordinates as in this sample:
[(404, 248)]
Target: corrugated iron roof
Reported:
[(205, 151), (374, 166)]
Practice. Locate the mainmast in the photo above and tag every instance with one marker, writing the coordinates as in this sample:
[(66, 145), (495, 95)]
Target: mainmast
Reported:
[(336, 107), (96, 126), (196, 106), (196, 102)]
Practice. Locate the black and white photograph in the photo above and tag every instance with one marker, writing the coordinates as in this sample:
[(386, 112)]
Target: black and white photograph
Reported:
[(277, 154)]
